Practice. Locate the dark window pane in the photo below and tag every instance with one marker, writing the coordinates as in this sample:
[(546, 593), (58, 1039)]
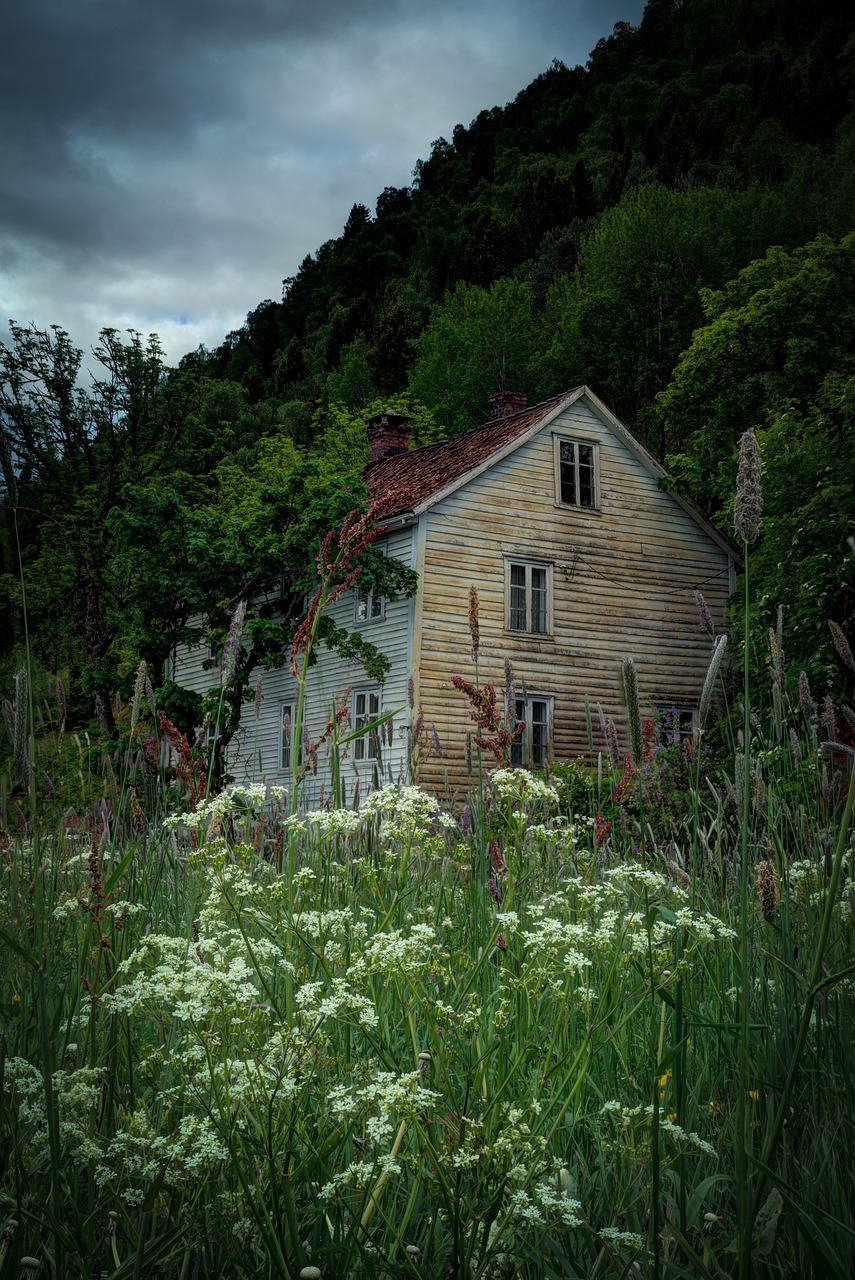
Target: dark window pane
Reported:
[(538, 601), (568, 484), (539, 733), (517, 619), (567, 455), (586, 475), (518, 748)]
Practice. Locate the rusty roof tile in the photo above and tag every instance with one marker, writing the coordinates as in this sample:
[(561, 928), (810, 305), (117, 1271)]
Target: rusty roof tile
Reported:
[(423, 472)]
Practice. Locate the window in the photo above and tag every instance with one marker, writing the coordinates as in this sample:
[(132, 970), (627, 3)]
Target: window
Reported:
[(576, 473), (369, 604), (528, 597), (531, 749), (366, 709), (286, 730), (676, 724)]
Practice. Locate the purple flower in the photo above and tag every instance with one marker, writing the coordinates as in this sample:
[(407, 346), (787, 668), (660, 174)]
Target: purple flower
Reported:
[(611, 737), (704, 614), (494, 889), (829, 717), (60, 699), (466, 820), (806, 702), (841, 644)]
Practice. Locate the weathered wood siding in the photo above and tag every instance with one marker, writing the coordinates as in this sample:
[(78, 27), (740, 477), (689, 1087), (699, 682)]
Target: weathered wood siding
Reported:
[(333, 675), (255, 751), (623, 578)]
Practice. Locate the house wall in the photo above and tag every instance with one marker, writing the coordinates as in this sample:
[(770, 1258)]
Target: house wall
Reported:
[(255, 751), (623, 579)]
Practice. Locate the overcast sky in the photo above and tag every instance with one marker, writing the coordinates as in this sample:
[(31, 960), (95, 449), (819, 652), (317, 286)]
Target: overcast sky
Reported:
[(165, 163)]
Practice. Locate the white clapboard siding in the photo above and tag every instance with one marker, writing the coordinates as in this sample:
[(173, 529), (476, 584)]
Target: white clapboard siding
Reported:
[(255, 753)]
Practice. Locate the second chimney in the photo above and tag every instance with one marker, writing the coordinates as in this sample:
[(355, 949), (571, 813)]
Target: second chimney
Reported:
[(388, 435), (505, 403)]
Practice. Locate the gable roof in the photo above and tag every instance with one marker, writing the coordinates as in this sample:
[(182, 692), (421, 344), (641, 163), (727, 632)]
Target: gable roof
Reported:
[(427, 475), (422, 475)]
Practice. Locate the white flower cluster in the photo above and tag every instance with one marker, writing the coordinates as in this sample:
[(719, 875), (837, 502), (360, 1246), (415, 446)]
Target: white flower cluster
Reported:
[(76, 1094), (338, 1002), (167, 977), (407, 813), (333, 822), (520, 786), (391, 952), (138, 1151), (237, 800), (629, 1116), (543, 1206)]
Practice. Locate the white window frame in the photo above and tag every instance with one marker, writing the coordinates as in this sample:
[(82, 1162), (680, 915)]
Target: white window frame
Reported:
[(374, 606), (521, 562), (683, 709), (521, 750), (557, 441), (287, 705), (367, 750), (374, 603)]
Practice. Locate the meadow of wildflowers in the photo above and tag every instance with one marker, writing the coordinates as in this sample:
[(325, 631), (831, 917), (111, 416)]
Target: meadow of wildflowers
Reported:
[(506, 1043), (593, 1023)]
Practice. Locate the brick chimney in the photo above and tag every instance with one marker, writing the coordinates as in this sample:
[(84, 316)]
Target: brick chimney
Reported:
[(388, 435), (505, 403)]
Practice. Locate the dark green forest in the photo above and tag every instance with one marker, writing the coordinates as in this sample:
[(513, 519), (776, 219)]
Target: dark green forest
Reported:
[(671, 223)]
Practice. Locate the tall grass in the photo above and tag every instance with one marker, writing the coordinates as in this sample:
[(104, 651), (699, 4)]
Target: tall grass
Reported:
[(563, 1038)]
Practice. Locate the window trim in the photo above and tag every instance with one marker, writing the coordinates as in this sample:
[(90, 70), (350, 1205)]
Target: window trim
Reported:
[(525, 740), (661, 707), (527, 563), (371, 595), (290, 705), (559, 438), (363, 744)]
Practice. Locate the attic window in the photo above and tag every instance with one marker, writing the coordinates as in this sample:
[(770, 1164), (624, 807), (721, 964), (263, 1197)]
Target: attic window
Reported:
[(576, 473)]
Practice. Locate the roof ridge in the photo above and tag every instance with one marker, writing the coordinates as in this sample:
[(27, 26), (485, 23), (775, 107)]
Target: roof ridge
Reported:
[(471, 431)]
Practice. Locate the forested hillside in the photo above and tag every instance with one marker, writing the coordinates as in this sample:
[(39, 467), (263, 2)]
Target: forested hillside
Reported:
[(671, 224)]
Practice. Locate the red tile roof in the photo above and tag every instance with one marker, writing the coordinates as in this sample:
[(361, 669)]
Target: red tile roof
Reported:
[(423, 472)]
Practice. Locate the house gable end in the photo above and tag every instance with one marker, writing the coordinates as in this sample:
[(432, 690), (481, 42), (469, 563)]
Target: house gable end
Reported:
[(498, 455), (582, 394)]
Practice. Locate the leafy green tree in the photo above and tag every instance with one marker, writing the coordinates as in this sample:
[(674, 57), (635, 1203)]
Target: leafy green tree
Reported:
[(341, 435), (633, 303), (778, 354), (187, 571), (68, 450), (478, 341)]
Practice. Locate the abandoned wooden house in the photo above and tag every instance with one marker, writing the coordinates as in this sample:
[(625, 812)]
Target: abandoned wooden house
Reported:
[(580, 559)]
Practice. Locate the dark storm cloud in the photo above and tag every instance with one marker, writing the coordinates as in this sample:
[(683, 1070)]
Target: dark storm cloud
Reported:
[(167, 163)]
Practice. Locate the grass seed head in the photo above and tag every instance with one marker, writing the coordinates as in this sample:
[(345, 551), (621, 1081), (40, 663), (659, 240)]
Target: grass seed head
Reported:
[(474, 627), (748, 503), (768, 895)]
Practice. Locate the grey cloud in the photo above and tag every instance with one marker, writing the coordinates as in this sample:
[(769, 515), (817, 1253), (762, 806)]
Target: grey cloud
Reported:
[(167, 163)]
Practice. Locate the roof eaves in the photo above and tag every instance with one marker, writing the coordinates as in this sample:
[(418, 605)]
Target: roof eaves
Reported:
[(498, 454), (656, 469)]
